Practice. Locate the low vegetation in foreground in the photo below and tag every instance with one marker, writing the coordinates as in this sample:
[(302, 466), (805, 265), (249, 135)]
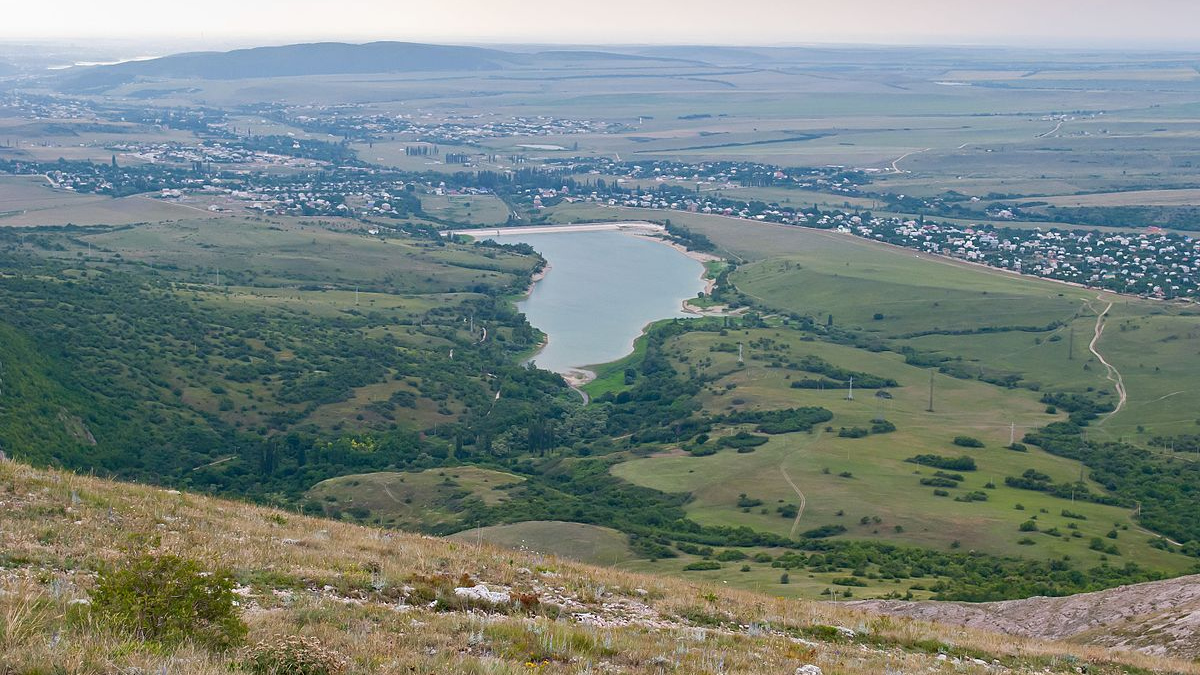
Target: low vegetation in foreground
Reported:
[(92, 573)]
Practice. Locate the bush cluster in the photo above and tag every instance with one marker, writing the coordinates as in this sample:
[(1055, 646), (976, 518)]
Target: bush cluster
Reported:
[(169, 600)]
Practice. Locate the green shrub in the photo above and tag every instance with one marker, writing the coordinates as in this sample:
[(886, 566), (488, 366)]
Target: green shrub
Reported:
[(168, 599), (742, 441), (972, 496), (968, 442), (293, 655), (963, 463), (882, 427), (823, 532), (748, 502)]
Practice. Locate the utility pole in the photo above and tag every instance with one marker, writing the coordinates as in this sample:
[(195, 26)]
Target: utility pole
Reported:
[(1012, 434), (930, 408), (850, 396), (740, 360), (356, 295), (1071, 345)]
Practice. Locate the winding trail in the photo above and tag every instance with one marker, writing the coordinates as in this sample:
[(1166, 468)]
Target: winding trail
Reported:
[(796, 488), (896, 161), (1112, 374), (803, 502)]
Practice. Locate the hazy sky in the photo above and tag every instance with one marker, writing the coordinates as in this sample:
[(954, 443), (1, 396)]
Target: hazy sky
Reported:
[(1111, 23)]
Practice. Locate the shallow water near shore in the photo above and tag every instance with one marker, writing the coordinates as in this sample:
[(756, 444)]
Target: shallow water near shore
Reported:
[(601, 291)]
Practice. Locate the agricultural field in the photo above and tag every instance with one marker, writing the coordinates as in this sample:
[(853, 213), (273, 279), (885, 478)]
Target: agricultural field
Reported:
[(31, 201), (473, 209), (1181, 197)]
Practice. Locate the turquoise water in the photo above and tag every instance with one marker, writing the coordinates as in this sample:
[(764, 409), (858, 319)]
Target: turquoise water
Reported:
[(601, 291)]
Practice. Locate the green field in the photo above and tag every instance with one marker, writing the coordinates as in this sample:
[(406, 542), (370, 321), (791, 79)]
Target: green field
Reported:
[(31, 201), (290, 252), (472, 209), (429, 500), (882, 485), (576, 541)]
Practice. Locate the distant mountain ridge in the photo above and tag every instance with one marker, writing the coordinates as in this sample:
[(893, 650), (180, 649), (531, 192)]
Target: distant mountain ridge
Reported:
[(328, 58)]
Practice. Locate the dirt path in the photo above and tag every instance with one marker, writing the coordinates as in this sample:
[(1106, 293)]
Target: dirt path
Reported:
[(216, 463), (1052, 131), (803, 502), (896, 161), (796, 489), (1112, 374), (388, 492)]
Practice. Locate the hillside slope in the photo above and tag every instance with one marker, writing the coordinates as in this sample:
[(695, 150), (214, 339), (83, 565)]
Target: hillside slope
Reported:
[(326, 58), (1159, 617), (387, 600)]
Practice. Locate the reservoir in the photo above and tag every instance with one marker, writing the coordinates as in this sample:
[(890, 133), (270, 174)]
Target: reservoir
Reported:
[(601, 290)]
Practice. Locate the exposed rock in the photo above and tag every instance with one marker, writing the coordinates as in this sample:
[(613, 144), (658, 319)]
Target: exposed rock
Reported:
[(482, 593), (1158, 617)]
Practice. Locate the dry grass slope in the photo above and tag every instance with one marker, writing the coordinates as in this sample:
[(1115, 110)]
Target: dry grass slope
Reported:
[(385, 600)]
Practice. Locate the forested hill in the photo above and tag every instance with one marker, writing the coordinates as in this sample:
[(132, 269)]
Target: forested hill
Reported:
[(250, 386)]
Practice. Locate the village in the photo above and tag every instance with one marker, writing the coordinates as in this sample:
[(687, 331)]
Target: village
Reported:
[(357, 122), (1151, 262), (276, 175)]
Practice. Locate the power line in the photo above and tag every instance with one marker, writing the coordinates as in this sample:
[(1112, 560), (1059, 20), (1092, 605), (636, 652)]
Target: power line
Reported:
[(930, 408)]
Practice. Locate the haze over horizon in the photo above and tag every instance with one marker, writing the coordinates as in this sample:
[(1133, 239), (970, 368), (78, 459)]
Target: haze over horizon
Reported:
[(1152, 24)]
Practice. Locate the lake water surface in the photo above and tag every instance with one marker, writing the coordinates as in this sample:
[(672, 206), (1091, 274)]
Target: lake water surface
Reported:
[(601, 291)]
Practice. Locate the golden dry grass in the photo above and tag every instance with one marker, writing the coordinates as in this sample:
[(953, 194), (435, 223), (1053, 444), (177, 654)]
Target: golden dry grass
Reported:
[(360, 592)]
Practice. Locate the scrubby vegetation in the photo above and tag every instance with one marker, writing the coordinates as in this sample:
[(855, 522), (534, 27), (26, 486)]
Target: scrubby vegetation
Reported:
[(320, 597)]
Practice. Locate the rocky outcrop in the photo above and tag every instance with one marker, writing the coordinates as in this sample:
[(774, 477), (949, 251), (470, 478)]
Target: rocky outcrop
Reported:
[(1159, 617)]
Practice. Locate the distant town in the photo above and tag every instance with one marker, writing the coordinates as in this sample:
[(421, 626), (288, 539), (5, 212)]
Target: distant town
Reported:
[(236, 171)]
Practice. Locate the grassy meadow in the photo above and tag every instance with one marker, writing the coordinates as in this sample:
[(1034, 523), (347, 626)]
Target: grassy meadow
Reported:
[(426, 500), (574, 541), (811, 468)]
